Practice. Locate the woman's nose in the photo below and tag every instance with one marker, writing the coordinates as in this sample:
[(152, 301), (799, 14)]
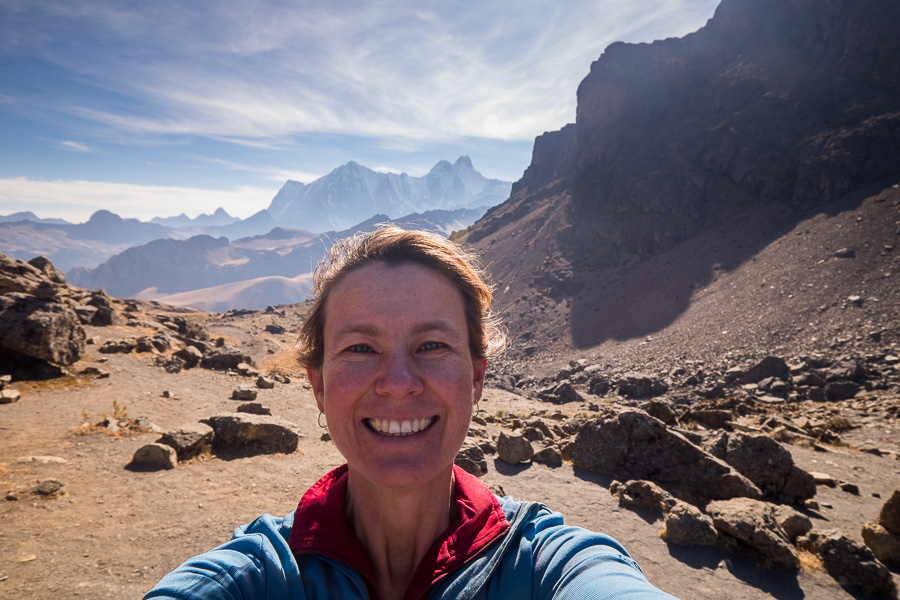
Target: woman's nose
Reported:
[(399, 376)]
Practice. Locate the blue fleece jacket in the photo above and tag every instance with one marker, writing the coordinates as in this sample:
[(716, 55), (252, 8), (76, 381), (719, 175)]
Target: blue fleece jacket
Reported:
[(539, 557)]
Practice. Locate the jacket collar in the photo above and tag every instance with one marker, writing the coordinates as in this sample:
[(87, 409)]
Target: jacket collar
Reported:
[(321, 528)]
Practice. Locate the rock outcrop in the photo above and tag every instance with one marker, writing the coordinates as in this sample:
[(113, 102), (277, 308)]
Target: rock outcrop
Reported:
[(244, 434), (35, 320), (634, 445)]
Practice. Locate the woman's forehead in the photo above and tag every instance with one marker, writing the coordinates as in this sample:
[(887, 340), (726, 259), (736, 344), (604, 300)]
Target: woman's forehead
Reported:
[(395, 291)]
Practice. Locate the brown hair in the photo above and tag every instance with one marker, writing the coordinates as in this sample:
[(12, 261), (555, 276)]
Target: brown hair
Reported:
[(393, 246)]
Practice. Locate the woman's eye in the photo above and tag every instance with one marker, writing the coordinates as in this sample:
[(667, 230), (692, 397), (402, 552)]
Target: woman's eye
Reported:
[(432, 345), (359, 348)]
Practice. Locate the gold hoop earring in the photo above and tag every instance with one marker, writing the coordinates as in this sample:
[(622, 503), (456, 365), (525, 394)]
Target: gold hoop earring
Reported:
[(320, 420)]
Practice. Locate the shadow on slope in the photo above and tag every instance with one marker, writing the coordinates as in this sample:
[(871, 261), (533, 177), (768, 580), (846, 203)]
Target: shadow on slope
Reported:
[(644, 297)]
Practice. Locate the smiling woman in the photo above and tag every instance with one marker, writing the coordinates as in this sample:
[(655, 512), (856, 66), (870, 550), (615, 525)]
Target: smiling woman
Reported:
[(396, 347)]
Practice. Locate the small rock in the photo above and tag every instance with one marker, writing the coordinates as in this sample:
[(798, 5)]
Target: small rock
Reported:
[(254, 408), (49, 488), (274, 329), (44, 460), (850, 488), (264, 383), (845, 253), (244, 392), (246, 370), (9, 396), (823, 479)]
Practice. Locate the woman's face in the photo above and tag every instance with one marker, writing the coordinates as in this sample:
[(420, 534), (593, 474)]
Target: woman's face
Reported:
[(398, 380)]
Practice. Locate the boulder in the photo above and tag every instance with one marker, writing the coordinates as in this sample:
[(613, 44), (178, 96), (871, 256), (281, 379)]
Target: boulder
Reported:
[(39, 328), (766, 463), (224, 357), (190, 355), (85, 313), (471, 458), (513, 448), (794, 523), (754, 523), (849, 562), (561, 393), (685, 525), (844, 370), (712, 417), (641, 385), (189, 440), (274, 329), (643, 494), (634, 445), (883, 544), (153, 457), (841, 390), (889, 515), (770, 366), (242, 434), (662, 411), (549, 456)]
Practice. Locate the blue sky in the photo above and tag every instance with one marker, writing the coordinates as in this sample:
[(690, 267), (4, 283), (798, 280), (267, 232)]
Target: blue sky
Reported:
[(162, 107)]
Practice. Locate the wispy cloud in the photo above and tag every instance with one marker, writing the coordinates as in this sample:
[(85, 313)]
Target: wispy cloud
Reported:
[(74, 146), (394, 70), (76, 200)]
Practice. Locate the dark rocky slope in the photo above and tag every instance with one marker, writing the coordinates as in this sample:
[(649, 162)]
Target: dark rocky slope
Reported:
[(690, 157)]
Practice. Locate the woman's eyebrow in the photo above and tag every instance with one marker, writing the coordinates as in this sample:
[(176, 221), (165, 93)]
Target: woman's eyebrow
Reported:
[(437, 325), (363, 329)]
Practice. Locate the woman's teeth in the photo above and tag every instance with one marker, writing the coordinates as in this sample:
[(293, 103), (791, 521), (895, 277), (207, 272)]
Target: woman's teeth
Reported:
[(399, 428)]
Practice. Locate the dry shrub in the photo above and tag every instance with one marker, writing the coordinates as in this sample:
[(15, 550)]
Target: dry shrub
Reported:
[(838, 424)]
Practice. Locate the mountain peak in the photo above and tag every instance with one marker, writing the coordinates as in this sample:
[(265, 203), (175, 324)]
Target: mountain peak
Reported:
[(464, 161), (104, 216)]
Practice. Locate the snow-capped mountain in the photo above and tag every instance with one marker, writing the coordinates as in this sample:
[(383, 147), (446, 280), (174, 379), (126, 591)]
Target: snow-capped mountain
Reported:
[(353, 193)]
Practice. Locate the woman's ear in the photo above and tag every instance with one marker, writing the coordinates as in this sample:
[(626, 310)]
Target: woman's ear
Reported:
[(315, 380), (479, 368)]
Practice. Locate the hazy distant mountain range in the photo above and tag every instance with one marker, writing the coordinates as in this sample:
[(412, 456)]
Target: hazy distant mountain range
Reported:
[(352, 193), (453, 195), (217, 274)]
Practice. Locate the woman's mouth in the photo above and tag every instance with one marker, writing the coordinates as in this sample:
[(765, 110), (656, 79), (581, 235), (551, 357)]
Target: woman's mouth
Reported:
[(399, 428)]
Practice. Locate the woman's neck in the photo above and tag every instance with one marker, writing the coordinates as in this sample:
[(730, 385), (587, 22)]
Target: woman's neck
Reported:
[(397, 527)]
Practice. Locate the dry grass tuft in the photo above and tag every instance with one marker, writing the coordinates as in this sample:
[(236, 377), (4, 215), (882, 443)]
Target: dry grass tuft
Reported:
[(66, 381), (809, 562), (282, 362)]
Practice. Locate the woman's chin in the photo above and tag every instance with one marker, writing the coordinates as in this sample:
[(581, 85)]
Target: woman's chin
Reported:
[(400, 473)]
